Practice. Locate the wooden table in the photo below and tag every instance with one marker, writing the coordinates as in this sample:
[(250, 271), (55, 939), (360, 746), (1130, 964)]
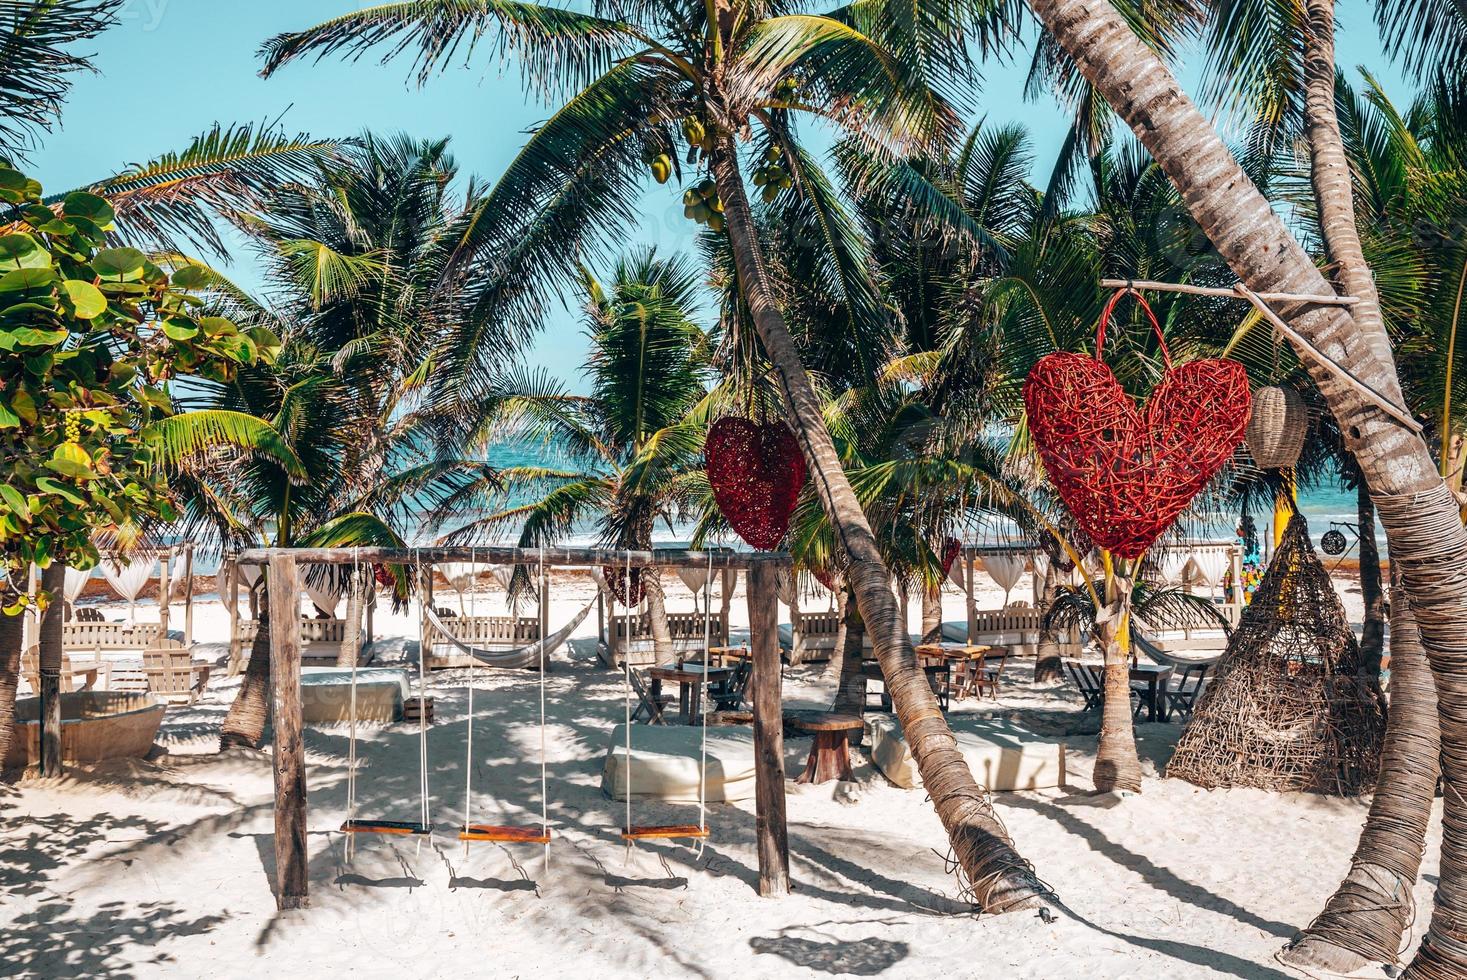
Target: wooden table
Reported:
[(719, 656), (970, 658), (689, 677), (1155, 677), (830, 755)]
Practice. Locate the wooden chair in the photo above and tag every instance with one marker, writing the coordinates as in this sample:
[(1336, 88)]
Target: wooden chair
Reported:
[(939, 676), (30, 669), (729, 696), (89, 614), (989, 678), (172, 676), (1186, 688), (647, 705), (1087, 680)]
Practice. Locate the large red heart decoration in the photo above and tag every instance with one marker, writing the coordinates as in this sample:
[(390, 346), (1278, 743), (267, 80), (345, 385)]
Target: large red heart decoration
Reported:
[(951, 548), (616, 584), (1126, 473), (756, 472)]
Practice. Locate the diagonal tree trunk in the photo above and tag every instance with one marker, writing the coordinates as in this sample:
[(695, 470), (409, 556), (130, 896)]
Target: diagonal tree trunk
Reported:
[(1420, 515), (1365, 919), (245, 723), (931, 613), (1372, 632), (12, 631), (662, 646), (1000, 878)]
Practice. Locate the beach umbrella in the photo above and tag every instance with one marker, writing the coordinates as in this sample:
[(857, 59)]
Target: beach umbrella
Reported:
[(128, 577), (1005, 570)]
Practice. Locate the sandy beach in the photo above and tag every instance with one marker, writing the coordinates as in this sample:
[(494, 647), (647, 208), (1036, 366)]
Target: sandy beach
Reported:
[(162, 867)]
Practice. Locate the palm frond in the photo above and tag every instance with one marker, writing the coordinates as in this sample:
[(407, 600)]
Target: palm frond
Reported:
[(36, 50), (185, 437)]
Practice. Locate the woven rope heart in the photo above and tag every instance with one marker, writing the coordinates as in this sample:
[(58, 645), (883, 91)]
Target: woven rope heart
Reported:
[(756, 472), (1126, 473), (616, 584), (951, 548)]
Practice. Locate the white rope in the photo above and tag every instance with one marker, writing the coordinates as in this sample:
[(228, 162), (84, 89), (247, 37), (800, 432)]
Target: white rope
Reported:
[(425, 584), (707, 656), (544, 618), (351, 751), (469, 735), (626, 667)]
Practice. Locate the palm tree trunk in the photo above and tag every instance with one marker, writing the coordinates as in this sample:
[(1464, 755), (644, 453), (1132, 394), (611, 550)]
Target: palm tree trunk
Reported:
[(1420, 515), (662, 646), (351, 631), (931, 613), (1000, 878), (12, 632), (1372, 633), (53, 583), (850, 692), (1364, 921), (1047, 656), (245, 723), (1117, 766)]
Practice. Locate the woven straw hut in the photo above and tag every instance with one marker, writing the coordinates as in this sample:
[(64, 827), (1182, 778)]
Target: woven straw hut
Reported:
[(1288, 708)]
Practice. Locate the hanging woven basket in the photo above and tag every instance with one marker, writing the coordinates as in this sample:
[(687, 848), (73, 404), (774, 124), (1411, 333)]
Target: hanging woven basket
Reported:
[(1277, 428)]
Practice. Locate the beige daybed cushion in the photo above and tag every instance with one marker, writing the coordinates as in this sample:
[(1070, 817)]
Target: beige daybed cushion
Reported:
[(326, 694), (664, 763), (1002, 756)]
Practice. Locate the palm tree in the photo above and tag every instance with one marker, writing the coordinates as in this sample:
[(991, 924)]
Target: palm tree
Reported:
[(722, 69), (1418, 511), (37, 48), (637, 437)]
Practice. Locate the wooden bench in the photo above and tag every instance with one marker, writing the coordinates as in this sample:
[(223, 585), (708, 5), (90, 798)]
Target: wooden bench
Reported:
[(103, 637), (321, 640), (687, 629), (483, 632)]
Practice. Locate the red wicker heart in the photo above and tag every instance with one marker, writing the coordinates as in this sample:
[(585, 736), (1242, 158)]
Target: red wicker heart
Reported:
[(616, 584), (1127, 473), (756, 472), (951, 548)]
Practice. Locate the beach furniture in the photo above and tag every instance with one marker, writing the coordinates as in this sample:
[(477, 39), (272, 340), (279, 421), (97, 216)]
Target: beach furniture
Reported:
[(1185, 688), (648, 704), (172, 675), (830, 753), (95, 725), (1088, 680), (1002, 755), (631, 636), (664, 764)]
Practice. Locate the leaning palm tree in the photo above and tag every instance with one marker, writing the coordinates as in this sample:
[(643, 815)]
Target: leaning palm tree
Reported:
[(632, 442), (645, 79)]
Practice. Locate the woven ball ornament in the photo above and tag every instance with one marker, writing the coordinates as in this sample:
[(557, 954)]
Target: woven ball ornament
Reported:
[(1277, 428), (1126, 472), (616, 584), (756, 472)]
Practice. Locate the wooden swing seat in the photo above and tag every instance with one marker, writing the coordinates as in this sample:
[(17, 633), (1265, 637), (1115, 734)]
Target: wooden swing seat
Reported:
[(666, 832), (505, 835), (383, 827)]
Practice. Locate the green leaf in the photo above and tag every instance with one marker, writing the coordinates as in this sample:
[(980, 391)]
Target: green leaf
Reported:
[(26, 280), (90, 206), (16, 187), (48, 485), (70, 459), (120, 264), (8, 419), (191, 277), (177, 328), (15, 500), (86, 298), (34, 337), (22, 252), (24, 405)]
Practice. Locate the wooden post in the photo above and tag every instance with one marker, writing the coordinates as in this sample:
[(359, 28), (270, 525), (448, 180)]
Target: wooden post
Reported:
[(188, 595), (371, 604), (291, 887), (231, 575), (772, 837), (30, 635), (164, 586), (970, 604), (53, 581)]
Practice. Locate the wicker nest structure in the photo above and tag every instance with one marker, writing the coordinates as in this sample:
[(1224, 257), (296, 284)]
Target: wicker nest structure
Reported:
[(1289, 707)]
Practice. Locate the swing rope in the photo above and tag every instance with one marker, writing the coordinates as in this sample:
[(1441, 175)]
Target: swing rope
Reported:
[(703, 707), (351, 751), (544, 618), (626, 671), (469, 725), (423, 691)]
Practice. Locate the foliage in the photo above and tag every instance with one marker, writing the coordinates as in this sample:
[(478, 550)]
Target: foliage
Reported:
[(36, 48), (93, 342)]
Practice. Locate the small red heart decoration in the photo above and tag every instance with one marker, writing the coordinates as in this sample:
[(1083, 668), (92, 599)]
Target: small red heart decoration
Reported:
[(756, 472), (951, 548), (1126, 473)]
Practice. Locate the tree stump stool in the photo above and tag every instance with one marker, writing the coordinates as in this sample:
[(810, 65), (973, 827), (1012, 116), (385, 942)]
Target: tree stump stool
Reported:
[(830, 756)]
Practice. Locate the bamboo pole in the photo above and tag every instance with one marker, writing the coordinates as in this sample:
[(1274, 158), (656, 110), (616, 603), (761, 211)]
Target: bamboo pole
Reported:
[(291, 883), (232, 587), (164, 588), (1151, 285)]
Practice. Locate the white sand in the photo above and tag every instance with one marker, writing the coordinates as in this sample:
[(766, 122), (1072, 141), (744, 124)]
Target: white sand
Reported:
[(163, 867)]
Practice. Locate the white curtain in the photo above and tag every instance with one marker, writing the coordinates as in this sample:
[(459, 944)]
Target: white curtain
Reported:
[(784, 584), (325, 599), (694, 578), (1210, 566), (1173, 565), (75, 582), (502, 574), (249, 574), (127, 580), (1005, 570), (955, 572)]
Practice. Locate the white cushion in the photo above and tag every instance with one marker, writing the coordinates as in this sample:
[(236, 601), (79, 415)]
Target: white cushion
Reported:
[(664, 763), (1002, 755)]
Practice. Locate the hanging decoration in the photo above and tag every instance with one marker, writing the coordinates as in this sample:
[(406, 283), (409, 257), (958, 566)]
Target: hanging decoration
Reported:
[(833, 579), (1126, 473), (951, 548), (614, 580), (756, 472), (1277, 427)]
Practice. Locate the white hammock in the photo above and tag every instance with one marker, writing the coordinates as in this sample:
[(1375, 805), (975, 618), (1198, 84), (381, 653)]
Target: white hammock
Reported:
[(522, 657), (1156, 654)]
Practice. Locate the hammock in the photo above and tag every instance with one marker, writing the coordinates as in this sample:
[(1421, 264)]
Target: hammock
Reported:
[(1157, 655), (522, 657)]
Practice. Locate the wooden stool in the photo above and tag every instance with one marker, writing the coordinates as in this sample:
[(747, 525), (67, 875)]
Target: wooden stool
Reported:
[(830, 756), (416, 709)]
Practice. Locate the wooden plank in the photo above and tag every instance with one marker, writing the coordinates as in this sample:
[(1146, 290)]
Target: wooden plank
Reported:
[(231, 571), (771, 833), (1230, 292), (291, 880), (188, 596), (53, 581), (669, 832), (504, 835), (577, 557)]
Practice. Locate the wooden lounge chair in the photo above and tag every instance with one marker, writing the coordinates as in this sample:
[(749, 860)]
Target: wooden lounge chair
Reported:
[(1186, 687), (1087, 679), (30, 669), (647, 705), (172, 675)]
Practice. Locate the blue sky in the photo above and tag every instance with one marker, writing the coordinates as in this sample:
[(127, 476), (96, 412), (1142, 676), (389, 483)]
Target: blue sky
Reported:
[(173, 67)]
